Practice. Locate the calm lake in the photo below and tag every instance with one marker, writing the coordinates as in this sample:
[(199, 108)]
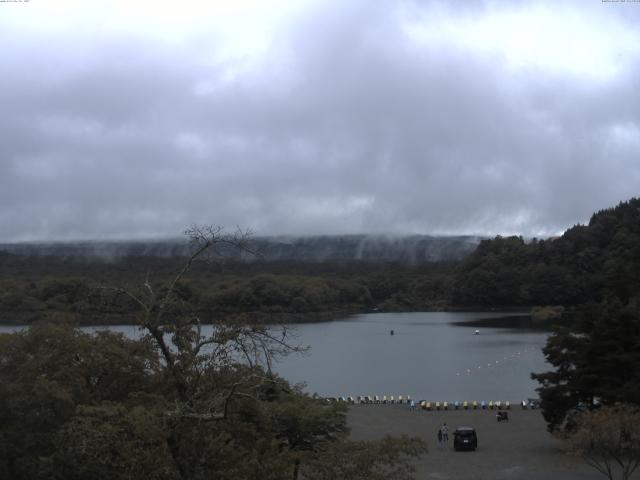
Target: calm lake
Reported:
[(433, 356)]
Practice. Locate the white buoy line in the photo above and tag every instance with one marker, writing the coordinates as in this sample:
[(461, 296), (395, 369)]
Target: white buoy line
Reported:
[(505, 360)]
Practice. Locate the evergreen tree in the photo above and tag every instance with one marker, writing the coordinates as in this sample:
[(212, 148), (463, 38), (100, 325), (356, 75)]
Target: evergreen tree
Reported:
[(597, 362)]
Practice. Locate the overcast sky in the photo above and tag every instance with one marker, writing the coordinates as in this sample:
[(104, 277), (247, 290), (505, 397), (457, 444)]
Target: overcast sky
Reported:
[(134, 119)]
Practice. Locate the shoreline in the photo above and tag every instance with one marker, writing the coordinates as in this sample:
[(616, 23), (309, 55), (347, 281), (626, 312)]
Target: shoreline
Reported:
[(265, 318)]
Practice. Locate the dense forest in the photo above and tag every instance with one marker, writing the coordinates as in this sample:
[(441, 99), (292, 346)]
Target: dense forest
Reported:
[(587, 263), (77, 289)]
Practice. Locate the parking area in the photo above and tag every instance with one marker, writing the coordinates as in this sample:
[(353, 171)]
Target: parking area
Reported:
[(518, 448)]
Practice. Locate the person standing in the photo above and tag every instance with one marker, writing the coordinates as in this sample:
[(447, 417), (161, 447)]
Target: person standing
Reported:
[(445, 433), (439, 438)]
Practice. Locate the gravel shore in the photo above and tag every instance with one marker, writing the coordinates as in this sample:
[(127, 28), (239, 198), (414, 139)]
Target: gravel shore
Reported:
[(518, 449)]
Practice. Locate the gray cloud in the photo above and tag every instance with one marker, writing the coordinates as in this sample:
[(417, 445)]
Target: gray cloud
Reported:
[(347, 121)]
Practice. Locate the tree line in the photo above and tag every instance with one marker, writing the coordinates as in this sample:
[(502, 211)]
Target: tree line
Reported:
[(71, 289), (587, 263), (176, 404)]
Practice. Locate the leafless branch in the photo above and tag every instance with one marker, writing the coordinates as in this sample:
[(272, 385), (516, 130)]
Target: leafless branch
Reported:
[(129, 294)]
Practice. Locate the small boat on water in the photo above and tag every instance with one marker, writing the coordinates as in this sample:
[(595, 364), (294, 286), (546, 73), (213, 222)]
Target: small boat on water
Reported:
[(477, 332)]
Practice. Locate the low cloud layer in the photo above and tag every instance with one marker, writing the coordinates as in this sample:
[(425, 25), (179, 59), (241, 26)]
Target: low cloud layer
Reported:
[(330, 117)]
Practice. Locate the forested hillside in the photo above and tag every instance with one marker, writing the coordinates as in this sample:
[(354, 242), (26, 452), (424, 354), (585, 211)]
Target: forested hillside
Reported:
[(587, 263), (53, 288)]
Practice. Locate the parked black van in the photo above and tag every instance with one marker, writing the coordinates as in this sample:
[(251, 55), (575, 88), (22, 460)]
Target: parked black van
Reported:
[(465, 438)]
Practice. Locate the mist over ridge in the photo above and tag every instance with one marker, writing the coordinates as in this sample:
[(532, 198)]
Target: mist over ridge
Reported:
[(406, 249)]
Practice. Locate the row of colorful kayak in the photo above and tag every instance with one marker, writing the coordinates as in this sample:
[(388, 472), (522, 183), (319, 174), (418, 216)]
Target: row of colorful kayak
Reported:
[(374, 399), (474, 405), (426, 405)]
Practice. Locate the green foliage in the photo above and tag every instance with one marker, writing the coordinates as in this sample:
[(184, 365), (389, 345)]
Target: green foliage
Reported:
[(597, 361), (109, 440), (45, 373), (175, 404), (74, 405), (608, 439), (587, 263), (75, 293)]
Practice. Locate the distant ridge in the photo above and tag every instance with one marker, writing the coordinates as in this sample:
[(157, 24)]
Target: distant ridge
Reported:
[(411, 249)]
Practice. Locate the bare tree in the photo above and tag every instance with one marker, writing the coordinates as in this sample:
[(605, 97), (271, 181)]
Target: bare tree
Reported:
[(608, 439), (175, 329)]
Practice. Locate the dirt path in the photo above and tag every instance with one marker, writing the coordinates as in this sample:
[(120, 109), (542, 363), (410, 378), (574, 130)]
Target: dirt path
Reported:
[(518, 449)]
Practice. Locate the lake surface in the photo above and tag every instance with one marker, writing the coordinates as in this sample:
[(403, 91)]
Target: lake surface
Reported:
[(429, 357), (433, 356)]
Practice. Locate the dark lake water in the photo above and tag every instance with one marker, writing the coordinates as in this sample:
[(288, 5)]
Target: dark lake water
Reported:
[(433, 356), (430, 356)]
